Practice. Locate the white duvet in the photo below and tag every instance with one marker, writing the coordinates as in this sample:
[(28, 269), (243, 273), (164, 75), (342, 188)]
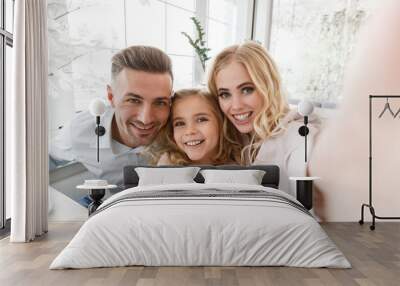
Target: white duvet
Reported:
[(182, 231)]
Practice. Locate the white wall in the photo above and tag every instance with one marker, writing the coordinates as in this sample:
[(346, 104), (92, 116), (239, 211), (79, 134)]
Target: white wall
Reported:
[(344, 166), (343, 169), (341, 156), (344, 172)]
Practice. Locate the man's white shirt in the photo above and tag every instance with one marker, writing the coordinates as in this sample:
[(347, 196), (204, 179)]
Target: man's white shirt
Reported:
[(78, 141)]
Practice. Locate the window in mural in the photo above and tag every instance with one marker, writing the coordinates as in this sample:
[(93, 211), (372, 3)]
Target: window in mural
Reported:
[(312, 43)]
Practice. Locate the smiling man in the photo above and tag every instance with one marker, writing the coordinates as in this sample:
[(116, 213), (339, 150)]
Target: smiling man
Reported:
[(139, 94), (139, 97)]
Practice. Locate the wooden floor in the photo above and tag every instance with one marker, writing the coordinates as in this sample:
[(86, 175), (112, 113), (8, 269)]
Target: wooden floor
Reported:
[(374, 255)]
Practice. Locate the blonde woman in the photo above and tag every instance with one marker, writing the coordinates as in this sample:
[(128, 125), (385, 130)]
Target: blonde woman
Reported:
[(247, 83), (194, 134)]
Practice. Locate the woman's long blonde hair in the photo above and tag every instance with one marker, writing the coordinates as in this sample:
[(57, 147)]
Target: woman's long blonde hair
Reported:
[(228, 150), (265, 76)]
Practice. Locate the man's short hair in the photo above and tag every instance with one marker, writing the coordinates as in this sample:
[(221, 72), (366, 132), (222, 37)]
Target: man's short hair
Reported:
[(141, 58)]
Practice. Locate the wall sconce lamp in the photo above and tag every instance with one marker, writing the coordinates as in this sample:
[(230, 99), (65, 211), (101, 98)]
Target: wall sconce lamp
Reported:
[(305, 108), (97, 107)]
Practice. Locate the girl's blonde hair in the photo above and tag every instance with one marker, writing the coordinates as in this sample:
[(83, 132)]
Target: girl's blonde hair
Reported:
[(265, 76), (228, 150)]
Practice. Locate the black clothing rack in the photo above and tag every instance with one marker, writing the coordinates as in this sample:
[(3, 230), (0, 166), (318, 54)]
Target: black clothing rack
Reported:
[(369, 205)]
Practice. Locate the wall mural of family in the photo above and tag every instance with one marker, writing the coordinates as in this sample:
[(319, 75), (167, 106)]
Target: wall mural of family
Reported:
[(241, 117)]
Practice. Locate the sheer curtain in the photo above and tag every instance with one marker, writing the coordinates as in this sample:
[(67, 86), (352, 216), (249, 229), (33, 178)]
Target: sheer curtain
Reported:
[(26, 118)]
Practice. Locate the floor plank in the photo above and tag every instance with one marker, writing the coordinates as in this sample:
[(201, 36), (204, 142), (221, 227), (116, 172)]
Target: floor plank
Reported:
[(374, 255)]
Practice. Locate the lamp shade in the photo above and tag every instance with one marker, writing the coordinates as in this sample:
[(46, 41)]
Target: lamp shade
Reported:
[(305, 108), (97, 107)]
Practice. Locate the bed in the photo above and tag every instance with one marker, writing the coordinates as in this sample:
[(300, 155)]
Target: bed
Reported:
[(201, 223)]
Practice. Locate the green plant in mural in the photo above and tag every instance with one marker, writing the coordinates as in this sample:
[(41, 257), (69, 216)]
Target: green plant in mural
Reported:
[(199, 44)]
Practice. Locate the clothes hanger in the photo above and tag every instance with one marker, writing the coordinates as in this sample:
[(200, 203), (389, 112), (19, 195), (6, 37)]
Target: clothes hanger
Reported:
[(398, 111), (387, 107)]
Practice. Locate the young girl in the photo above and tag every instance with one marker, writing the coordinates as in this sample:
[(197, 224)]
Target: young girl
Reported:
[(194, 134), (248, 86)]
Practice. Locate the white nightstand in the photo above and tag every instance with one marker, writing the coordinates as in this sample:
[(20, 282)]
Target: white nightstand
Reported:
[(304, 190)]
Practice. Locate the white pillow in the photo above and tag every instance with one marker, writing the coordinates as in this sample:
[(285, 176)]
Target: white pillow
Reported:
[(162, 176), (248, 177)]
